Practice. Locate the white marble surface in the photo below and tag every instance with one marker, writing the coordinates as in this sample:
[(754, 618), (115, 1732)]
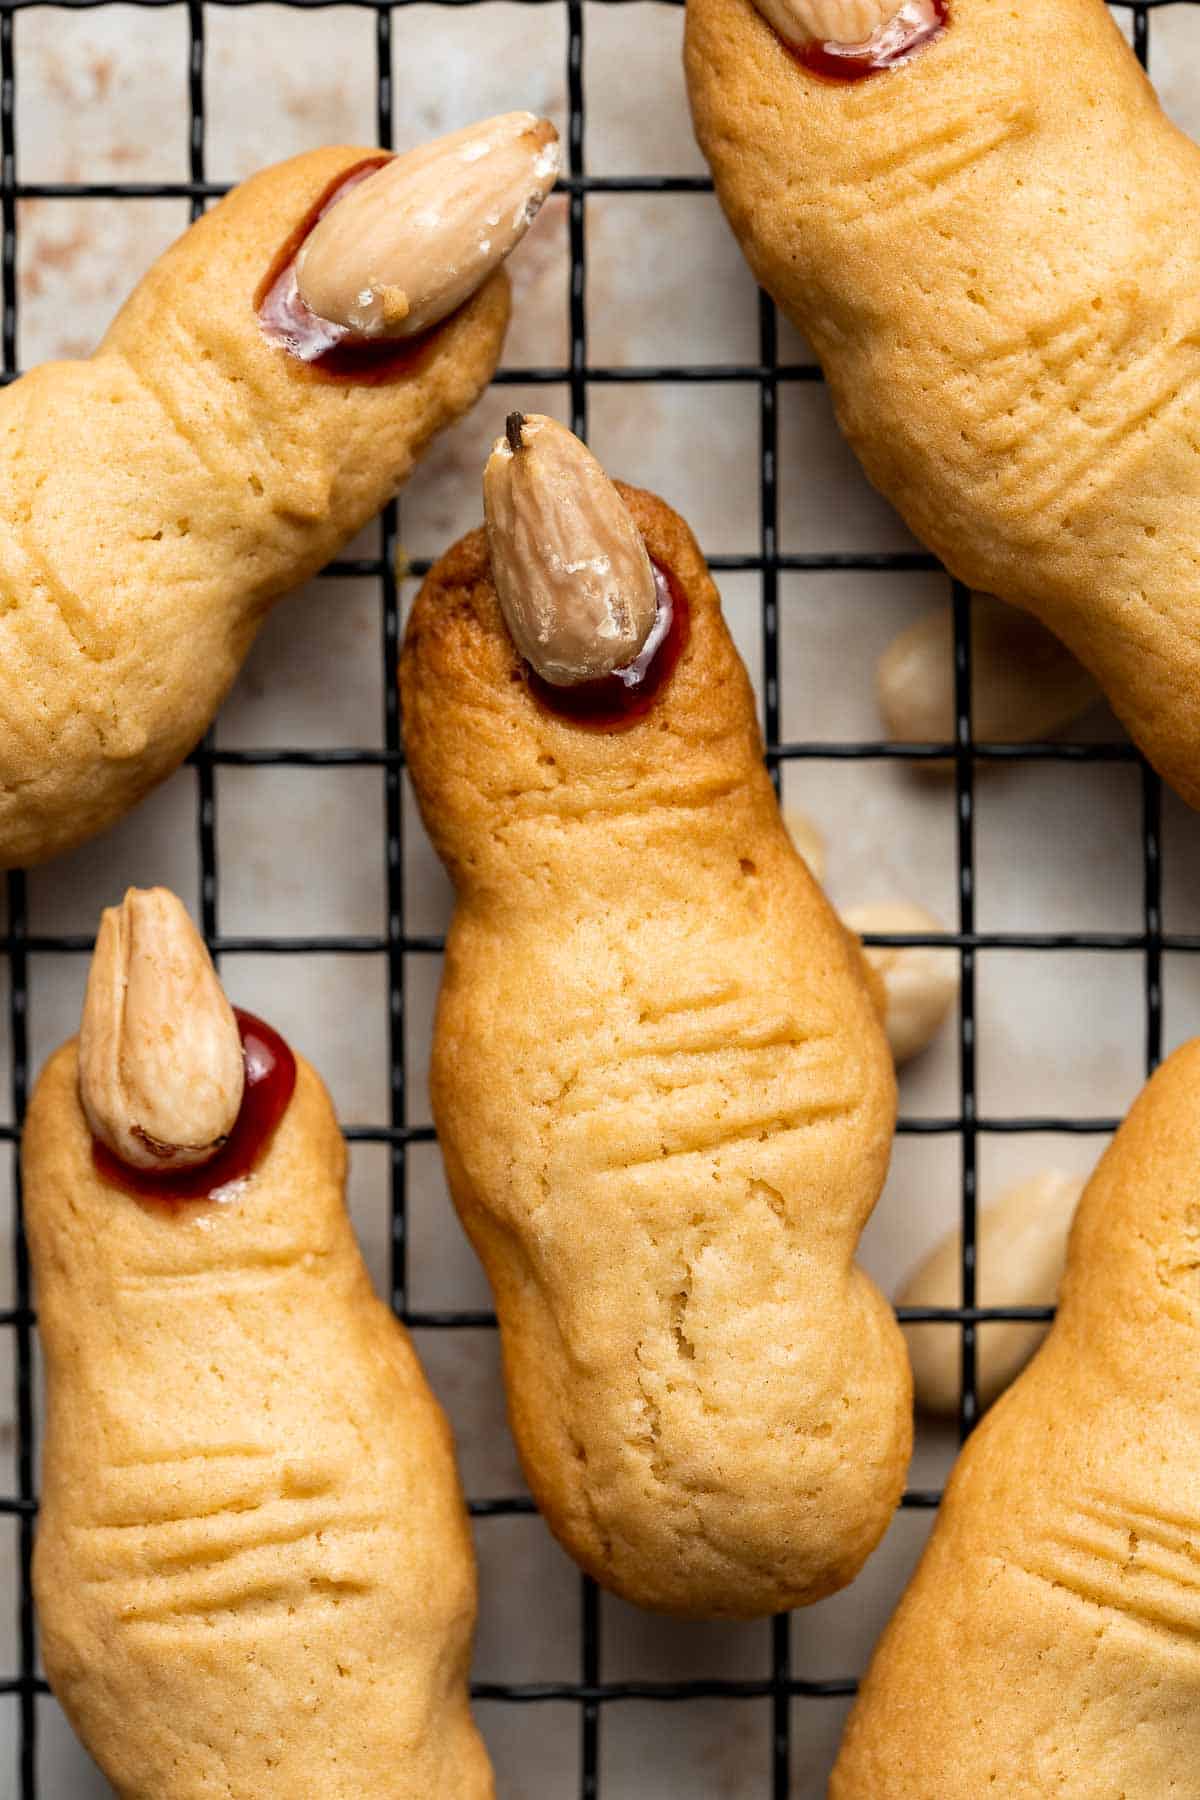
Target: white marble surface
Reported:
[(102, 95)]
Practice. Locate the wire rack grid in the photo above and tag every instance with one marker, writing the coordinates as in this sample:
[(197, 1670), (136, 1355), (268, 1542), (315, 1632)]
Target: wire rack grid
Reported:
[(398, 1132)]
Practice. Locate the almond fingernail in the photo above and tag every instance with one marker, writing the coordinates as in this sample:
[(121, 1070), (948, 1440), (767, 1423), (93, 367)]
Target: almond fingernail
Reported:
[(576, 586), (412, 242), (880, 28), (161, 1070)]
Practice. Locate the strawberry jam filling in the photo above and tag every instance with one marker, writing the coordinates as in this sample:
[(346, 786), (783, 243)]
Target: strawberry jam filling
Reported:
[(916, 24)]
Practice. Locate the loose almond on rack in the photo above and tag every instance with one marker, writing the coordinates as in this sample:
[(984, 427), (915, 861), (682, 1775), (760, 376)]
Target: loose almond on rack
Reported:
[(920, 981), (917, 983), (809, 841), (1025, 684), (1022, 1248)]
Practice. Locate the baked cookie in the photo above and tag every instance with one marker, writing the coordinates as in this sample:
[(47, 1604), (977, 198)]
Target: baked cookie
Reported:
[(988, 239), (253, 1571), (1048, 1642), (662, 1092), (221, 445)]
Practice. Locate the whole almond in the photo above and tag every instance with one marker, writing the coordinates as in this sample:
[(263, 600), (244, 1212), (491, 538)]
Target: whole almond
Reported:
[(920, 982), (1022, 1249), (161, 1071), (1025, 684), (808, 840), (409, 244), (576, 586)]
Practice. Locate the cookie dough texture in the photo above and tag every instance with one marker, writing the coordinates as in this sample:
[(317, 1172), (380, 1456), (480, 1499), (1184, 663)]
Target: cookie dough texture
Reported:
[(1050, 1640), (665, 1105), (158, 497), (993, 250), (253, 1570)]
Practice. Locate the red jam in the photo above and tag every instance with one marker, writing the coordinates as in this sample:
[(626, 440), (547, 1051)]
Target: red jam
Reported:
[(333, 350), (270, 1079), (618, 700), (891, 46)]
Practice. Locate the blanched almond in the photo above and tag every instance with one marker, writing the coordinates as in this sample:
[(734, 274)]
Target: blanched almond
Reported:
[(575, 583), (415, 240), (920, 982), (161, 1071), (1022, 1248), (808, 840), (1025, 684), (875, 26)]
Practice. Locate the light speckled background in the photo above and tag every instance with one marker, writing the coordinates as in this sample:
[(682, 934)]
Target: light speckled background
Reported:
[(101, 95)]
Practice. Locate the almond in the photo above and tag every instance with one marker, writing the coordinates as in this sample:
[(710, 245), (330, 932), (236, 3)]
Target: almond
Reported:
[(1025, 684), (412, 242), (576, 586), (920, 982), (161, 1071), (808, 840), (875, 27), (1021, 1251)]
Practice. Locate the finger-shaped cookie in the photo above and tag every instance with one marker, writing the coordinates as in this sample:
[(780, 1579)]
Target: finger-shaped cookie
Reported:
[(990, 243), (253, 1570), (1050, 1640), (220, 446), (662, 1092)]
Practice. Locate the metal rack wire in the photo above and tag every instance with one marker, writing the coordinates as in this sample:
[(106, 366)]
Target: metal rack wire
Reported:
[(398, 1132)]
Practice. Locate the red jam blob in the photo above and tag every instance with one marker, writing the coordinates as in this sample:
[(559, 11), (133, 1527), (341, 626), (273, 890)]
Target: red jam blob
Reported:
[(333, 350), (270, 1079), (616, 701), (893, 45)]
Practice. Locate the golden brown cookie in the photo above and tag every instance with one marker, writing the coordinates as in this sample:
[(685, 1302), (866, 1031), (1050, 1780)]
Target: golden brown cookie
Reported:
[(1048, 1643), (253, 1570), (992, 249), (161, 495), (665, 1105)]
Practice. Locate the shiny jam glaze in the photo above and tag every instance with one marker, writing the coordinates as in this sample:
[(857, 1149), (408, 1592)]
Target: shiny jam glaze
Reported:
[(618, 700), (270, 1079), (848, 63), (333, 350)]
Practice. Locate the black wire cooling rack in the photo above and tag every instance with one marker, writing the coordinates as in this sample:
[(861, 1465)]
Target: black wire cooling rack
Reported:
[(587, 1690)]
